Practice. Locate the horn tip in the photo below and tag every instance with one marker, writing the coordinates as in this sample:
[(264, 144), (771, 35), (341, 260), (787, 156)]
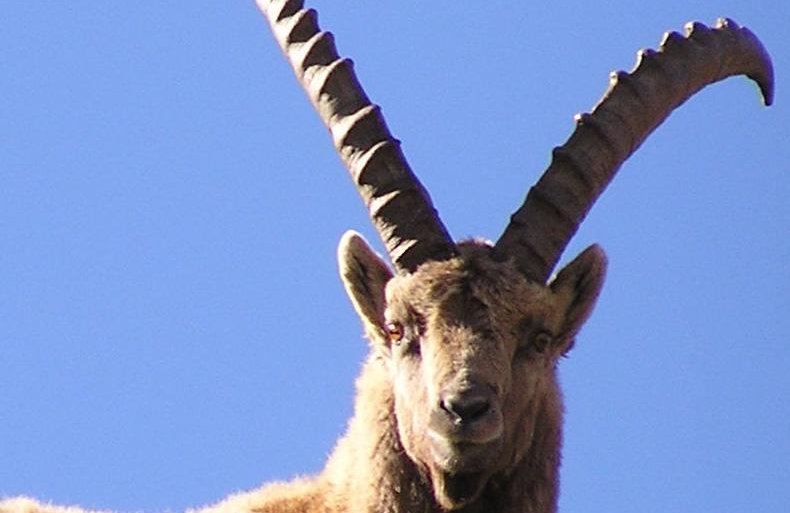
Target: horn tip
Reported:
[(763, 75)]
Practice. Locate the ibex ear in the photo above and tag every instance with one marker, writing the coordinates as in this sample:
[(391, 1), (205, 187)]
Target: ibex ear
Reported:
[(365, 276), (577, 287)]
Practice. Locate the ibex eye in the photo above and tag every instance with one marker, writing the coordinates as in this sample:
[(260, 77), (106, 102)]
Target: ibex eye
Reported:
[(395, 331), (541, 342)]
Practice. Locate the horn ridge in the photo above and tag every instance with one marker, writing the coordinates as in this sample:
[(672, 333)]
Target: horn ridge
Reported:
[(398, 204), (634, 105)]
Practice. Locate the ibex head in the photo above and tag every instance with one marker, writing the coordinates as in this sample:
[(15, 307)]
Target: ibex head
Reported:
[(471, 332), (471, 346)]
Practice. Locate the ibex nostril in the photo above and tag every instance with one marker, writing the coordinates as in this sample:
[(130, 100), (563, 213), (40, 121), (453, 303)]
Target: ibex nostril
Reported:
[(465, 409)]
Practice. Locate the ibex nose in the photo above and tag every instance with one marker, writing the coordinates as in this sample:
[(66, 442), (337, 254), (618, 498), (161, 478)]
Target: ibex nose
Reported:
[(466, 406)]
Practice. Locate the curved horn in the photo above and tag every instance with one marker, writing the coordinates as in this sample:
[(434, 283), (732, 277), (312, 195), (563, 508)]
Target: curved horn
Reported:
[(634, 105), (399, 205)]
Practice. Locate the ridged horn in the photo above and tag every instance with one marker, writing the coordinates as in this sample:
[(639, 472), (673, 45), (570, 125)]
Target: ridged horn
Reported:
[(634, 105), (398, 204)]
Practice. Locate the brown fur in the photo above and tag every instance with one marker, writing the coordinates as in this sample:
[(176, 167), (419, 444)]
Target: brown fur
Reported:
[(469, 319)]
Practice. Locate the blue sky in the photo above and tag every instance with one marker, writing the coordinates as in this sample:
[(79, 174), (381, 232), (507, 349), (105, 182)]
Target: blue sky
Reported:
[(171, 325)]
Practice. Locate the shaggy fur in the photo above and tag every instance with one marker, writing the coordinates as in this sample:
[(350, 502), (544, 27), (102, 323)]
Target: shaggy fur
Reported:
[(478, 319)]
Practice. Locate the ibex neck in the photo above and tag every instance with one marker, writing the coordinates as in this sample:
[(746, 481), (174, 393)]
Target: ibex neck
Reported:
[(370, 472)]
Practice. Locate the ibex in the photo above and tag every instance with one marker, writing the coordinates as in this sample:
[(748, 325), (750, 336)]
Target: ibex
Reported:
[(458, 406)]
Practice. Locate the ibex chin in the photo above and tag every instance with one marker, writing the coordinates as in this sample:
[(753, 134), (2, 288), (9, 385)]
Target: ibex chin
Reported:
[(458, 406)]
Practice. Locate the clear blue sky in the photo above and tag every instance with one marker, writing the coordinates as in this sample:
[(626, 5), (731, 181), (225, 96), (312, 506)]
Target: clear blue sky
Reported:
[(171, 325)]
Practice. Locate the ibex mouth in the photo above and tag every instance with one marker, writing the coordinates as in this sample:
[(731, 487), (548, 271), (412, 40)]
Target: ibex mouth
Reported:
[(456, 457)]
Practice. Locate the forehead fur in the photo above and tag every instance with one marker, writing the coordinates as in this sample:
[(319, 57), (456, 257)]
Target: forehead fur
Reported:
[(473, 274)]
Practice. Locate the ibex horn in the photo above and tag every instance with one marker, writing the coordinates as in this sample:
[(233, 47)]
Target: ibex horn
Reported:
[(399, 205), (635, 104)]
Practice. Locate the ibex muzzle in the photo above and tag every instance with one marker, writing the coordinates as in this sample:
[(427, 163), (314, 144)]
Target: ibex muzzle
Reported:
[(462, 411), (466, 427)]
